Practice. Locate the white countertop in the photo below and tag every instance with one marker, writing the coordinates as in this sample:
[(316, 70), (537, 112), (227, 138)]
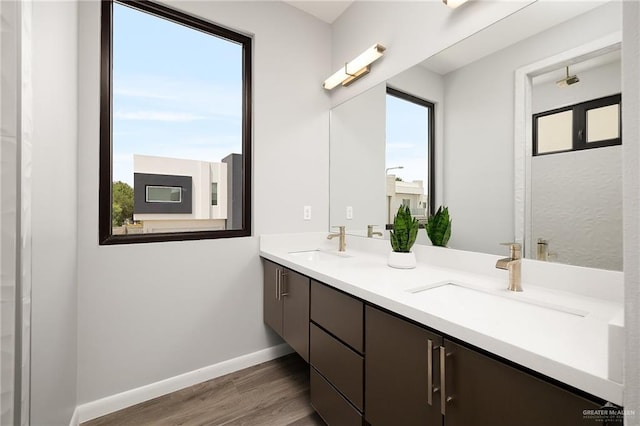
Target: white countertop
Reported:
[(561, 344)]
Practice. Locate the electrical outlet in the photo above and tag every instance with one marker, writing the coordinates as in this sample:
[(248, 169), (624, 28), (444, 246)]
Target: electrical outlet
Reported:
[(307, 213), (349, 212)]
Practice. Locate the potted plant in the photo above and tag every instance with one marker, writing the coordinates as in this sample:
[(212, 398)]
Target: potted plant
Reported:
[(439, 227), (403, 236)]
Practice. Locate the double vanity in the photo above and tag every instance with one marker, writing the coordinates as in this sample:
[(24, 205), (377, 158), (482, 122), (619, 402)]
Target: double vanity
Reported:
[(444, 343)]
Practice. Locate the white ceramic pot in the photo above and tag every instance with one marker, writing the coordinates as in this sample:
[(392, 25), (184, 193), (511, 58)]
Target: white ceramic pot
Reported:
[(402, 260)]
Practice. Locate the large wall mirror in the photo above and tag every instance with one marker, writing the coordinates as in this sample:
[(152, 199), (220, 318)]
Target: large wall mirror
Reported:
[(471, 149)]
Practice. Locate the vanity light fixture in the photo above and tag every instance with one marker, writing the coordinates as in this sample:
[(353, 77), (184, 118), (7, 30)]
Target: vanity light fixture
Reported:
[(568, 80), (454, 3), (356, 68)]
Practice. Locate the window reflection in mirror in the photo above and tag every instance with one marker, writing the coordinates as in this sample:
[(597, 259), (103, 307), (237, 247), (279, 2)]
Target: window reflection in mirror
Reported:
[(603, 123), (554, 132), (591, 124), (409, 154)]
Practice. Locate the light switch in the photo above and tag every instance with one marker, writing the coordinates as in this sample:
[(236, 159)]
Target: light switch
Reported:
[(307, 213), (349, 212)]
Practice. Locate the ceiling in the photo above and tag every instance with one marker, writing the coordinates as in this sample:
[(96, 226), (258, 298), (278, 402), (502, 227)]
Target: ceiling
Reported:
[(530, 20), (327, 10)]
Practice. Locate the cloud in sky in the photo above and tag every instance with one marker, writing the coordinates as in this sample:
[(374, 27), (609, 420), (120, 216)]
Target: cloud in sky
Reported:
[(158, 116), (137, 93), (202, 97), (177, 92)]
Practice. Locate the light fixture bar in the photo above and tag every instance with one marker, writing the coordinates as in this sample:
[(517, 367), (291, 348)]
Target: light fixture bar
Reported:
[(454, 3), (353, 77), (355, 69)]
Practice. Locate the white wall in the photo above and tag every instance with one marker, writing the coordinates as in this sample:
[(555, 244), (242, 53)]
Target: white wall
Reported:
[(631, 167), (594, 83), (357, 163), (478, 164), (54, 213), (139, 322)]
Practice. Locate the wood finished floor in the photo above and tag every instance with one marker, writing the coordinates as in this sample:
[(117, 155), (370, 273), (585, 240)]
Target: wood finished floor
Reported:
[(275, 393)]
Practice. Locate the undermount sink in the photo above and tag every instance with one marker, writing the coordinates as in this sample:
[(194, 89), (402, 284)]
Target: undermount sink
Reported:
[(466, 296), (318, 255)]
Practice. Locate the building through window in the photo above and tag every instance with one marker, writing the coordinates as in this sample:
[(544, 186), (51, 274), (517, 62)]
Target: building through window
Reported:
[(175, 126)]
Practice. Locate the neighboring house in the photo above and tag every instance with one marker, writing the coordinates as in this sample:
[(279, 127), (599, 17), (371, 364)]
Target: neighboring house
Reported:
[(406, 193), (173, 195)]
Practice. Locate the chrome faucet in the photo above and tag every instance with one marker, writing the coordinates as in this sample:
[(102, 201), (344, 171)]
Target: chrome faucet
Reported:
[(371, 233), (342, 242), (512, 264)]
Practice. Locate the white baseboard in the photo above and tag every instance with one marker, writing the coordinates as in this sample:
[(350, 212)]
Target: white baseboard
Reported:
[(110, 404), (75, 419)]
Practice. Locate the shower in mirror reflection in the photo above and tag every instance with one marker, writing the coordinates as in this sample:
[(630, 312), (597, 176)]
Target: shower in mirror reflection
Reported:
[(576, 164), (568, 80)]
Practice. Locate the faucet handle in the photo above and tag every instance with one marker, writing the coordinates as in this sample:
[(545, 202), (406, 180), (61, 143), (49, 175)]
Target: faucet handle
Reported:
[(340, 227), (515, 249)]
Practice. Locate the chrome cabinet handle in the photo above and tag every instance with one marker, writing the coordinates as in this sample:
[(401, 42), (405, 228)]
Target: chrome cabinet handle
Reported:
[(443, 376), (430, 388), (283, 276), (277, 283)]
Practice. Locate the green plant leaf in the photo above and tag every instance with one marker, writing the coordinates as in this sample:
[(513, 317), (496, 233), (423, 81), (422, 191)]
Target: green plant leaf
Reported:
[(439, 227), (405, 230)]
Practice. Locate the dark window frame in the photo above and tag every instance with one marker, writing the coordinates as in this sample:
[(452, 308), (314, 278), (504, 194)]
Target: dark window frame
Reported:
[(431, 143), (106, 236), (214, 194), (579, 131), (149, 200)]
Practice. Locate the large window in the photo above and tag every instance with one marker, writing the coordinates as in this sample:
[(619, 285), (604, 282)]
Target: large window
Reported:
[(592, 124), (409, 154), (175, 126)]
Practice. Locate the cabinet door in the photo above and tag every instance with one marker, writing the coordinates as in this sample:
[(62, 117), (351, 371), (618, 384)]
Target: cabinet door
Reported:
[(485, 391), (397, 372), (295, 296), (272, 305)]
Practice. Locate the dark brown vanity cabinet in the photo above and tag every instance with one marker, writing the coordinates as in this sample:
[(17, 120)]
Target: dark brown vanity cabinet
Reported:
[(409, 370), (336, 356), (369, 366), (402, 375), (286, 306), (485, 391)]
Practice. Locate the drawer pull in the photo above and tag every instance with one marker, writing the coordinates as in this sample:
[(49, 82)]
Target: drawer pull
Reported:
[(430, 388), (283, 277), (443, 377), (277, 283)]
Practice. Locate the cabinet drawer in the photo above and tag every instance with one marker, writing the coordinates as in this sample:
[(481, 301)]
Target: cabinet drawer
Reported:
[(334, 409), (338, 313), (343, 367)]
